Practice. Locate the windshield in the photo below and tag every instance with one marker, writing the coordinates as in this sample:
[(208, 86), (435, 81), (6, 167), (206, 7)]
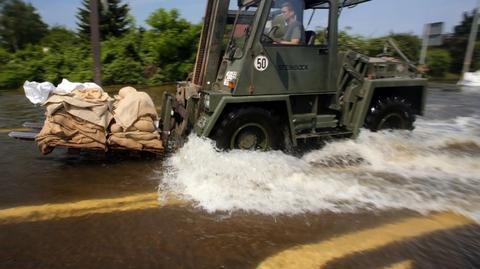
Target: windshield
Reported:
[(284, 23), (242, 27)]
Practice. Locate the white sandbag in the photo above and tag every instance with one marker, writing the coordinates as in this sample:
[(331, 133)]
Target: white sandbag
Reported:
[(67, 87), (36, 92)]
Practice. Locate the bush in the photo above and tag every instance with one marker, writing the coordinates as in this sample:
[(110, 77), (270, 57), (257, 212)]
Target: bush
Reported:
[(356, 43), (438, 62), (123, 71), (24, 65)]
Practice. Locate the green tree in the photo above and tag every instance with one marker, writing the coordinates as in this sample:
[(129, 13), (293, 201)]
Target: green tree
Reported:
[(456, 44), (4, 56), (438, 62), (121, 60), (25, 64), (356, 43), (20, 25), (58, 37), (60, 54), (65, 56), (169, 48), (113, 18)]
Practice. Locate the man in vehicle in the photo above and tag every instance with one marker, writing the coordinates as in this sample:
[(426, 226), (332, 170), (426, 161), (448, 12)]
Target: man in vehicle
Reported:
[(294, 33)]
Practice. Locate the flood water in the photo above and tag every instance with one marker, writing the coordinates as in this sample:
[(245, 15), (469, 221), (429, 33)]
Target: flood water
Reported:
[(385, 200)]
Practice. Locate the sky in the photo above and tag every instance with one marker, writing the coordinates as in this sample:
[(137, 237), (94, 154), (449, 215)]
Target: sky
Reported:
[(371, 19)]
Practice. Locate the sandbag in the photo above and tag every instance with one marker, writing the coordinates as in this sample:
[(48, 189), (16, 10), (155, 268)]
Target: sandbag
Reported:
[(123, 92), (133, 106), (137, 135), (94, 110), (53, 135), (37, 93), (155, 144), (77, 119), (125, 142), (116, 128), (145, 124)]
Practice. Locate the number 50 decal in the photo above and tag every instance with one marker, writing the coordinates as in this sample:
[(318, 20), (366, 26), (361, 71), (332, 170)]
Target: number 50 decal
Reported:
[(261, 63)]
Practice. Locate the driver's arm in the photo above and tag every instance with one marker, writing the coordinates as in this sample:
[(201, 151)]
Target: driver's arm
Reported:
[(294, 41)]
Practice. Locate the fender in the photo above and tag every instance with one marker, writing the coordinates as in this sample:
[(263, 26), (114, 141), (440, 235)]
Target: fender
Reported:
[(206, 122), (370, 88)]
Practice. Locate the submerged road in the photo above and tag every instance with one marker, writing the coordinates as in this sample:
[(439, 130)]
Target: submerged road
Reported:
[(137, 232), (63, 211)]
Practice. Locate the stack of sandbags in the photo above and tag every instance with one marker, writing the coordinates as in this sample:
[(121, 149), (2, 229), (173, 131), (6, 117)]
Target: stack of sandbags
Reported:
[(78, 119), (133, 127)]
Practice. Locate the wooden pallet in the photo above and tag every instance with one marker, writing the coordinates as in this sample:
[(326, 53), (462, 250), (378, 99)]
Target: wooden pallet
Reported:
[(23, 135), (36, 127)]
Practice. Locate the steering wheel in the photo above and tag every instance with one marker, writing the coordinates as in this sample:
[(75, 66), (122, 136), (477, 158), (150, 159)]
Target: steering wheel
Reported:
[(267, 37)]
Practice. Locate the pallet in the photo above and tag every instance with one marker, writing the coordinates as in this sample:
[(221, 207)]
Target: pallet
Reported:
[(33, 125), (28, 135), (36, 127), (23, 135)]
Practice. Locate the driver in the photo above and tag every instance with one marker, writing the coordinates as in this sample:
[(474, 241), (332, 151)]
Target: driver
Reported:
[(294, 33)]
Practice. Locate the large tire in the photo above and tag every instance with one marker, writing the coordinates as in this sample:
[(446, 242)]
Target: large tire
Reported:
[(390, 113), (249, 128)]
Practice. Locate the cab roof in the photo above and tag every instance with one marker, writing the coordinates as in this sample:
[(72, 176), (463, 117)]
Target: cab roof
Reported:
[(320, 4), (325, 3)]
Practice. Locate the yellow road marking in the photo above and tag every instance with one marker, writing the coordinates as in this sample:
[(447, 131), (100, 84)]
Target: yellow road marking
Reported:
[(8, 130), (82, 208), (319, 254), (400, 265)]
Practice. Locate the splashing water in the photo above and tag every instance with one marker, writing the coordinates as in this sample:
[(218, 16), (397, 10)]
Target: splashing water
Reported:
[(434, 168)]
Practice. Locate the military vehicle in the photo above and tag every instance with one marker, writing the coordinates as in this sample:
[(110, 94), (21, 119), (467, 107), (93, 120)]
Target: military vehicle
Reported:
[(250, 91)]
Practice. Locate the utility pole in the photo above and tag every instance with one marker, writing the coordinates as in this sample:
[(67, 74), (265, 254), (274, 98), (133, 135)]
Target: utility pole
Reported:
[(471, 41), (426, 36), (95, 42)]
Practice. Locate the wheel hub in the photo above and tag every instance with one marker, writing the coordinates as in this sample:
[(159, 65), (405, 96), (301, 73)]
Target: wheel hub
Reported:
[(251, 136), (247, 141), (392, 121)]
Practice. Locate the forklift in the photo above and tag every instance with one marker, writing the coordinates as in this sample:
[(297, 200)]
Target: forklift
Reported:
[(250, 91)]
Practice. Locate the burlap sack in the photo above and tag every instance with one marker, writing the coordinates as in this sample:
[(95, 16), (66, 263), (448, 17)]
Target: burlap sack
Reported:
[(93, 111), (53, 135), (133, 106), (152, 144), (93, 95), (145, 124), (123, 92), (124, 142), (137, 135), (70, 123), (116, 128)]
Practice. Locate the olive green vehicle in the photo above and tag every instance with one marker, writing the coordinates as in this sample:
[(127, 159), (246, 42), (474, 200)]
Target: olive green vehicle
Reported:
[(247, 91)]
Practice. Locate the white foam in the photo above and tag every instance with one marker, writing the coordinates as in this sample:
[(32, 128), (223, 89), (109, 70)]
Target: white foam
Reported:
[(424, 170)]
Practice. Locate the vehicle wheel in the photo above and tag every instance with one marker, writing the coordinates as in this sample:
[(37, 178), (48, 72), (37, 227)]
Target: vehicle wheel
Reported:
[(390, 113), (249, 129)]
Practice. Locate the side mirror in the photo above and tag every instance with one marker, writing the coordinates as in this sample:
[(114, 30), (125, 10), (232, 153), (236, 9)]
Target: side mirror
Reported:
[(238, 53)]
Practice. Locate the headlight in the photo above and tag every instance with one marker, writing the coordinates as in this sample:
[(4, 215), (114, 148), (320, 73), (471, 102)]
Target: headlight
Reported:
[(206, 101)]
